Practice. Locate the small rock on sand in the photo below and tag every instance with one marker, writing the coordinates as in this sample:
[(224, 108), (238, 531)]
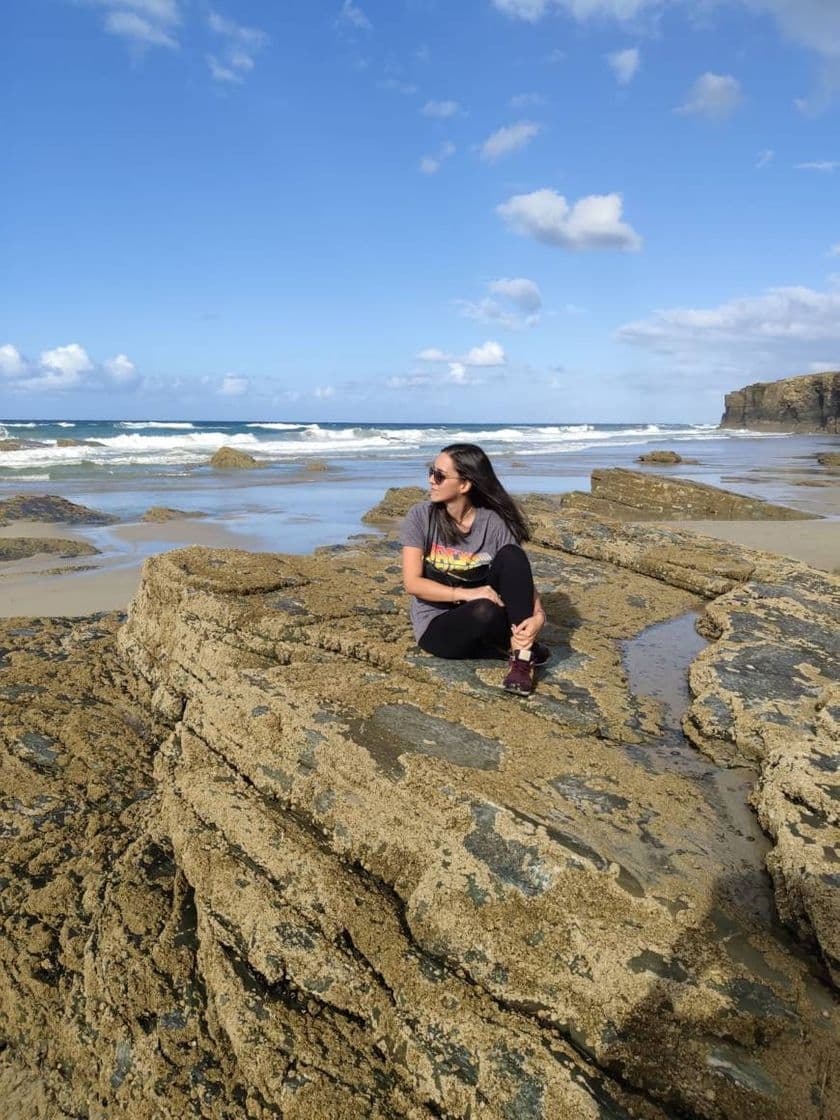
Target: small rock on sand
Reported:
[(165, 513), (663, 457), (21, 548), (229, 458), (49, 507)]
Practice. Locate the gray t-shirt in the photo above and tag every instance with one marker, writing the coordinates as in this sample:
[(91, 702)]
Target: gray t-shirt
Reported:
[(488, 533)]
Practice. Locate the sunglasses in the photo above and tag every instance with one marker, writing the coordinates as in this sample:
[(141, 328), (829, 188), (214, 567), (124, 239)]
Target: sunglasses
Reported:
[(437, 476)]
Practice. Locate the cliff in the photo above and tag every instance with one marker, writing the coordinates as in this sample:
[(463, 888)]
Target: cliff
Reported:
[(263, 858), (796, 404)]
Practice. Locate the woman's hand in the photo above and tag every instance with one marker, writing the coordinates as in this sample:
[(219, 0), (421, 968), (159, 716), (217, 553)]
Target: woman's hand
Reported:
[(485, 592), (527, 631)]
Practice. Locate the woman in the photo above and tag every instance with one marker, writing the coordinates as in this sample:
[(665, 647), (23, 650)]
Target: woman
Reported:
[(470, 581)]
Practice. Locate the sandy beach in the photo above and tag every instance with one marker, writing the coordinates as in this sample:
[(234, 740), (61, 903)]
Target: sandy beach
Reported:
[(47, 586)]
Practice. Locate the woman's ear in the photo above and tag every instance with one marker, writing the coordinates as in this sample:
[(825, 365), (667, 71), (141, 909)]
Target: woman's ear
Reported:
[(465, 486)]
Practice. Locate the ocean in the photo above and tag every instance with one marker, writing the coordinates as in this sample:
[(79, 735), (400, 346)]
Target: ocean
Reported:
[(124, 467)]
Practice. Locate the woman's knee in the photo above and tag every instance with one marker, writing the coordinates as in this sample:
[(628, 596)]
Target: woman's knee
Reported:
[(485, 611), (511, 551), (512, 558)]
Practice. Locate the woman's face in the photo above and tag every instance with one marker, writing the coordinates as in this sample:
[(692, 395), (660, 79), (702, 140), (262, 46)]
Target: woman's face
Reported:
[(444, 482)]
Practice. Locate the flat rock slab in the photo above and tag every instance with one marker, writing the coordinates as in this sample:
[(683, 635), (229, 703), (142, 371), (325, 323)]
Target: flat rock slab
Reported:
[(268, 858), (638, 496)]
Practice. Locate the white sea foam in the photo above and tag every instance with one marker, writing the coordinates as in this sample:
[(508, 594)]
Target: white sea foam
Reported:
[(183, 424), (21, 424), (62, 424), (14, 477), (181, 443)]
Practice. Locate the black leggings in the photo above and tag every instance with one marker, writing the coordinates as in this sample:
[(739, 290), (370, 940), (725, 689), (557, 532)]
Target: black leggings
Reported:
[(479, 627)]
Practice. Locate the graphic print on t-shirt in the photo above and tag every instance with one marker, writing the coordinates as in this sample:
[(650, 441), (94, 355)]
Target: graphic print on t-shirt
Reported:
[(449, 558)]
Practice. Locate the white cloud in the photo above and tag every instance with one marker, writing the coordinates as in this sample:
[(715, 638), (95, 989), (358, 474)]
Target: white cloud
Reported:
[(65, 368), (814, 24), (353, 15), (624, 64), (779, 331), (490, 353), (324, 392), (508, 139), (819, 165), (409, 381), (527, 100), (248, 37), (531, 10), (834, 251), (406, 88), (524, 293), (765, 157), (233, 386), (430, 165), (129, 25), (593, 222), (66, 364), (534, 10), (221, 72), (440, 109), (121, 370), (522, 306), (811, 23), (712, 96), (240, 45), (142, 22), (12, 363)]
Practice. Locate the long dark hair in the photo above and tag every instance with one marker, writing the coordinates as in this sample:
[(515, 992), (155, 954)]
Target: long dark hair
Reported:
[(473, 466)]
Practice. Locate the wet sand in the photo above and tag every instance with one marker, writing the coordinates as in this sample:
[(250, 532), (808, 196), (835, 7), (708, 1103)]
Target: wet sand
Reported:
[(813, 542), (43, 585)]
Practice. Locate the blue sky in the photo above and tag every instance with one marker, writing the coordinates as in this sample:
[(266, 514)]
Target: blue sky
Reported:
[(408, 210)]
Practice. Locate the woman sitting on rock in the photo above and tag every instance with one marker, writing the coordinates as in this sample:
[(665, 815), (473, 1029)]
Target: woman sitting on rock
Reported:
[(470, 581)]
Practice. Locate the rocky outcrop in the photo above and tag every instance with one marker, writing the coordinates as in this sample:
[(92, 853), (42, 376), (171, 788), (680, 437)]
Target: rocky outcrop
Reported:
[(636, 496), (661, 457), (301, 869), (68, 442), (231, 458), (14, 444), (766, 695), (397, 502), (166, 513), (829, 459), (810, 403), (21, 548), (49, 507)]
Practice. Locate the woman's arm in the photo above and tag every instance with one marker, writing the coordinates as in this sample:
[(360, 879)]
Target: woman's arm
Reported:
[(416, 583)]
